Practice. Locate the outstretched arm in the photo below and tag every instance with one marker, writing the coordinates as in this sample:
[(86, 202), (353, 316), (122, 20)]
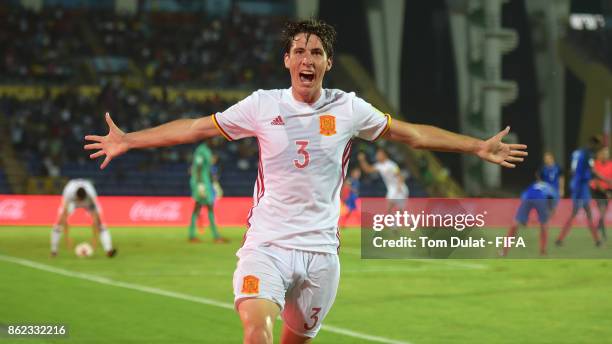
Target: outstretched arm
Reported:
[(180, 131), (433, 138)]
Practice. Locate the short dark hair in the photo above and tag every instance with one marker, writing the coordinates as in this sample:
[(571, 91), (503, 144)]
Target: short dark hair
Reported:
[(81, 194), (324, 31)]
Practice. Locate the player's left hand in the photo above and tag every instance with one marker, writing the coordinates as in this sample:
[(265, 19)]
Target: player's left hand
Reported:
[(504, 154)]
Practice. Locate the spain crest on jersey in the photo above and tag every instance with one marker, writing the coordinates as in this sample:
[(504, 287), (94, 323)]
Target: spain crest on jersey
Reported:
[(327, 125), (250, 285)]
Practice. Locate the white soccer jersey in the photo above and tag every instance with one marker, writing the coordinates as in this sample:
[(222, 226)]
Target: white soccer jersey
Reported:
[(389, 171), (303, 155), (70, 197)]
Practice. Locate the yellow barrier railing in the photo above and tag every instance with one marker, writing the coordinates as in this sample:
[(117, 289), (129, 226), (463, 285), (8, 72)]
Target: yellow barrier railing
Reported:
[(46, 185), (29, 92)]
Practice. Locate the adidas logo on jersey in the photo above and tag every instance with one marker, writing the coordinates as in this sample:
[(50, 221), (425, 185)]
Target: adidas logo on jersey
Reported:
[(278, 121)]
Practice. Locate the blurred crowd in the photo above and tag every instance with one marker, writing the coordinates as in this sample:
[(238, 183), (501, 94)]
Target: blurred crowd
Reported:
[(241, 50), (42, 46), (126, 55), (48, 133)]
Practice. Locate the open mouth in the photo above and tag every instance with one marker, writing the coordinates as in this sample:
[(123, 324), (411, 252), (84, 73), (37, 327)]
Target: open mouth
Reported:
[(307, 76)]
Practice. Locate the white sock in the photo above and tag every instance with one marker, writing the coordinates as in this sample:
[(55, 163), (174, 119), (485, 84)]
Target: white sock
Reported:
[(105, 239), (56, 235)]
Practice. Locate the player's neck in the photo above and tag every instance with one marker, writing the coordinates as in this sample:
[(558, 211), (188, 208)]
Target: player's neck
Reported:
[(309, 97)]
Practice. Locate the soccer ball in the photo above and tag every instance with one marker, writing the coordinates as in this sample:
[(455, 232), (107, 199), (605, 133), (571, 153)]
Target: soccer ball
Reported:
[(83, 249)]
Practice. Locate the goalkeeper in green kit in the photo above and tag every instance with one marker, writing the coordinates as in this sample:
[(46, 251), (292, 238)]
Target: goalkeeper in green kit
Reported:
[(203, 192)]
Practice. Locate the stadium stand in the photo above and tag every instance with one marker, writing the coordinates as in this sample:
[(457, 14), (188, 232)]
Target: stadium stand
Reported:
[(64, 67), (4, 186), (57, 45)]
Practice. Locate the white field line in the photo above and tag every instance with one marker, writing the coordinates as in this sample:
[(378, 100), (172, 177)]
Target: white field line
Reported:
[(454, 263), (181, 296)]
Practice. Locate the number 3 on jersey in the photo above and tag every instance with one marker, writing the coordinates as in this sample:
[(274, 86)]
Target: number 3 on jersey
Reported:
[(302, 151)]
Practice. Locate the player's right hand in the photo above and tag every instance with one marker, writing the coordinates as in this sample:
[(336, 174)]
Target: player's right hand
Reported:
[(112, 145)]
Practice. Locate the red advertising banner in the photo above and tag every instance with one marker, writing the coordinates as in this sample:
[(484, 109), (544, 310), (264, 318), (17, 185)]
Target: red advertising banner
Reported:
[(120, 211), (35, 210)]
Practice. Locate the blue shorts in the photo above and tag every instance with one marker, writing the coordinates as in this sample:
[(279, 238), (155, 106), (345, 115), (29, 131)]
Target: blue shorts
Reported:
[(351, 202), (581, 195), (542, 206)]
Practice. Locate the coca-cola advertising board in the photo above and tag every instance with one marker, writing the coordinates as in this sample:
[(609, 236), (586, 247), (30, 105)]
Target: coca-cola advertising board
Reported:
[(121, 211)]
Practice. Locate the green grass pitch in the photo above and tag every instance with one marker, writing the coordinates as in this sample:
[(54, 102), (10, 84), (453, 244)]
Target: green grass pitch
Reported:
[(157, 289)]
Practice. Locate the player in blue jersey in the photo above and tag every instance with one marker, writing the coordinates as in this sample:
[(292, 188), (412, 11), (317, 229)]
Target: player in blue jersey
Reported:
[(582, 173), (350, 194), (552, 173), (542, 197)]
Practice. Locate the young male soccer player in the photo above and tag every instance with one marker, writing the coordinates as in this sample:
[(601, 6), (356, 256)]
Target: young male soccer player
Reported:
[(289, 263), (350, 194), (542, 197), (397, 190), (602, 189), (80, 193), (203, 192), (552, 173), (582, 173)]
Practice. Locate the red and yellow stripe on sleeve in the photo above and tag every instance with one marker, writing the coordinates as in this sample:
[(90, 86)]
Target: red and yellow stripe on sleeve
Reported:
[(387, 127), (226, 135)]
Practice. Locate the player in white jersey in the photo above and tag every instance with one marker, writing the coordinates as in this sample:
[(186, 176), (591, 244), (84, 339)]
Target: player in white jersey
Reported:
[(397, 190), (288, 264), (80, 193)]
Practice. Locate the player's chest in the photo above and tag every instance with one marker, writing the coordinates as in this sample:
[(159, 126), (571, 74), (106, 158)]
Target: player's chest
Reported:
[(324, 129), (318, 138)]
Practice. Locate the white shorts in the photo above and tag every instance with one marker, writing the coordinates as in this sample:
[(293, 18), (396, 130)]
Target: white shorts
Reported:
[(302, 283)]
